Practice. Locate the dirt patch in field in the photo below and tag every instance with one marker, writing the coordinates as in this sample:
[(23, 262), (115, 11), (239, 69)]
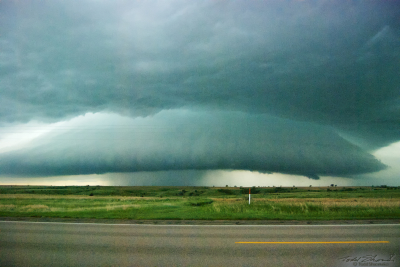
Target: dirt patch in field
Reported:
[(371, 202), (33, 207)]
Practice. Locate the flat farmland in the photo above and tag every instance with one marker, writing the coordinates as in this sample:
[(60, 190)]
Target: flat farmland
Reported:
[(201, 203)]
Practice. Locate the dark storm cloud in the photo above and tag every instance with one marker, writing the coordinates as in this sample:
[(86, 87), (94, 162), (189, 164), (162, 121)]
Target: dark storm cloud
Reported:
[(301, 72), (184, 140), (330, 62)]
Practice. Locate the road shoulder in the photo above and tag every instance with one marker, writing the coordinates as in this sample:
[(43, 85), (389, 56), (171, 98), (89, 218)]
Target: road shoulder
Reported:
[(203, 222)]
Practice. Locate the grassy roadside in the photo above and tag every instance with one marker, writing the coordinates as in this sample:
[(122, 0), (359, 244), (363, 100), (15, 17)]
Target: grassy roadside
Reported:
[(184, 203)]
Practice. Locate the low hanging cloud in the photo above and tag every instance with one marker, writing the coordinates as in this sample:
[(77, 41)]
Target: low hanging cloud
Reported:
[(273, 86), (185, 140)]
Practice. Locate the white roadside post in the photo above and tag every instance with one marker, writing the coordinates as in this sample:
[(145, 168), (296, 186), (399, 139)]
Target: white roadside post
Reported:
[(249, 196)]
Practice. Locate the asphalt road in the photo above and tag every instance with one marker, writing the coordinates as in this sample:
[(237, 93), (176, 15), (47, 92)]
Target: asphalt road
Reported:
[(69, 244)]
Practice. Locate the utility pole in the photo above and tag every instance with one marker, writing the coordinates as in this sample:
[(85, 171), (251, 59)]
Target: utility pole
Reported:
[(249, 196)]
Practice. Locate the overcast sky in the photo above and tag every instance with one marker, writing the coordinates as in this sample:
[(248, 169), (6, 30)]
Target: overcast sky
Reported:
[(200, 92)]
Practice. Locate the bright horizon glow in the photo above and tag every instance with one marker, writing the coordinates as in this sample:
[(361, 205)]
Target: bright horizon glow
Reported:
[(16, 136)]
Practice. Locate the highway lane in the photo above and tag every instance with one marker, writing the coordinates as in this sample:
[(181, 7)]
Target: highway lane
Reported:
[(70, 244)]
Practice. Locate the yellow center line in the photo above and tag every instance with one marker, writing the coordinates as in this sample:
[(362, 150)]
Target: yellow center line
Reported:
[(322, 242)]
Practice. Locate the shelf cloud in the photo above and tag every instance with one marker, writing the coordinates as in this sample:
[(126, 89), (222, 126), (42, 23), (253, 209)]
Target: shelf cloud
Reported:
[(185, 140)]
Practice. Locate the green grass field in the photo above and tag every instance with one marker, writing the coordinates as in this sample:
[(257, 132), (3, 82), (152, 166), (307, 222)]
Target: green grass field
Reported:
[(202, 203)]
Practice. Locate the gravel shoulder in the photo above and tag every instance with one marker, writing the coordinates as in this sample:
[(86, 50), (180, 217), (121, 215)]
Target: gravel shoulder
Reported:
[(203, 222)]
